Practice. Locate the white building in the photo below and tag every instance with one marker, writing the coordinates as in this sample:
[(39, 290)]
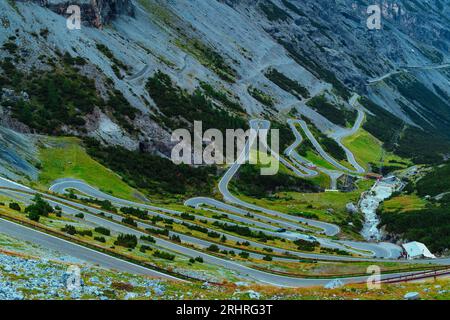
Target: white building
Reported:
[(417, 250)]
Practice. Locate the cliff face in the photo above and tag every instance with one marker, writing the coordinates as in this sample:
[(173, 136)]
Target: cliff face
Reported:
[(322, 45), (96, 13)]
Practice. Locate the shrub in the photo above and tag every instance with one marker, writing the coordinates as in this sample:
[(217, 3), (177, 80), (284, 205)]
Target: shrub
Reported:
[(339, 116), (87, 233), (304, 245), (148, 239), (145, 248), (40, 207), (127, 241), (100, 239), (141, 214), (213, 248), (129, 221), (177, 104), (103, 231), (164, 255), (34, 216), (430, 226), (261, 96), (267, 258), (69, 229), (244, 255), (213, 234), (163, 232), (187, 216), (15, 206)]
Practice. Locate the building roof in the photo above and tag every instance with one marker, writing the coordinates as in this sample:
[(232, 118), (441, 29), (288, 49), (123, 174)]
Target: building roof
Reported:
[(416, 249), (372, 175)]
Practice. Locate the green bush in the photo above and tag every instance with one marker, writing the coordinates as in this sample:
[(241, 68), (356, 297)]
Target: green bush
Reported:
[(262, 97), (129, 221), (69, 229), (145, 248), (40, 207), (221, 97), (103, 231), (187, 216), (100, 239), (435, 182), (304, 245), (213, 248), (141, 214), (163, 232), (148, 239), (87, 233), (164, 255), (421, 146), (244, 255), (15, 206), (127, 241), (267, 258)]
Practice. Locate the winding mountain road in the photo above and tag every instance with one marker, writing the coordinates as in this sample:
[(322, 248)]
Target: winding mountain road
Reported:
[(268, 220), (405, 69), (85, 254)]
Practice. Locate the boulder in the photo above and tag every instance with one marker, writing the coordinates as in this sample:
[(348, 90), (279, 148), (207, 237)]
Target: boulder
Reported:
[(254, 295), (333, 284), (351, 208), (412, 296)]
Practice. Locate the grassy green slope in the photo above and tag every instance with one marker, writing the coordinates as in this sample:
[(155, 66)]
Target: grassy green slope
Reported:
[(65, 158)]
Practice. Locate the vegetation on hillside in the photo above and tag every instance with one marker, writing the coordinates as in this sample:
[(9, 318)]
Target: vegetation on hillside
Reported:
[(368, 151), (273, 12), (250, 182), (435, 182), (405, 141), (209, 57), (339, 116), (315, 68), (430, 226), (180, 108), (221, 97), (62, 96), (429, 105), (416, 217), (328, 144), (287, 84), (293, 8), (261, 96), (151, 173), (38, 208), (117, 64)]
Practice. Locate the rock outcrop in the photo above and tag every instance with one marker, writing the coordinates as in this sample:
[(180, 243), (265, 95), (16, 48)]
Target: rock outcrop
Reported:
[(96, 13)]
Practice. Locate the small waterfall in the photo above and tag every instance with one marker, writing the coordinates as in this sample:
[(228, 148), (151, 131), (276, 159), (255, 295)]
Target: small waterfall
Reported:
[(370, 202)]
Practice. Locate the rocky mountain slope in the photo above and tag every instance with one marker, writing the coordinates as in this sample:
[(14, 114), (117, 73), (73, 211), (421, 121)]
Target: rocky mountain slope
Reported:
[(245, 59)]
